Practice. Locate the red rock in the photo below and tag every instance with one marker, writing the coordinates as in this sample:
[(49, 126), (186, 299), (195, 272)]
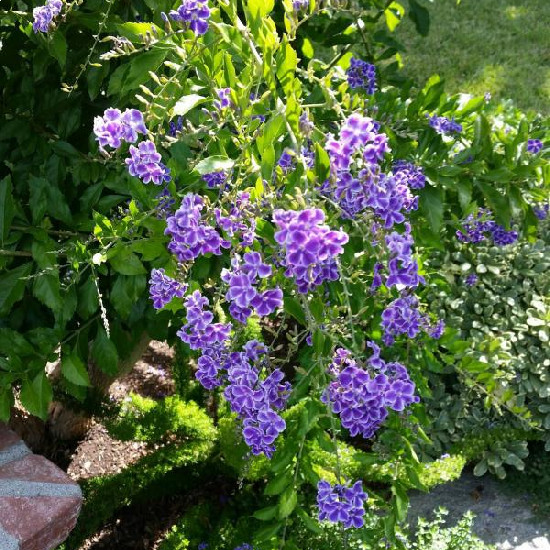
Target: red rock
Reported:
[(39, 503)]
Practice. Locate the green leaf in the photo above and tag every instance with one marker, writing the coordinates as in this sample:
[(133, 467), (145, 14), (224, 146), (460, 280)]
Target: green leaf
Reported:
[(14, 343), (126, 292), (480, 468), (74, 371), (88, 299), (46, 288), (420, 16), (104, 353), (136, 32), (265, 514), (6, 403), (394, 13), (12, 286), (287, 502), (322, 163), (310, 523), (278, 483), (139, 67), (293, 307), (38, 198), (287, 61), (36, 395), (125, 262), (431, 202), (58, 48), (186, 103), (260, 8), (7, 208), (216, 163)]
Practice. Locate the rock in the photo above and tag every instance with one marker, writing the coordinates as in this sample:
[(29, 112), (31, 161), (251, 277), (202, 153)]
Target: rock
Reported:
[(39, 504)]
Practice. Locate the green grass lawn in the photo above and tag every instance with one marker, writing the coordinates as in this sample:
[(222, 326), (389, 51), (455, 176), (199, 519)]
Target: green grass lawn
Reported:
[(497, 46)]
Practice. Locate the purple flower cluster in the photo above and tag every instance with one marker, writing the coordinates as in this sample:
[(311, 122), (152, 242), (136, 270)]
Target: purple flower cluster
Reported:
[(224, 98), (146, 163), (541, 211), (411, 175), (342, 503), (534, 146), (163, 288), (243, 293), (191, 236), (165, 204), (215, 179), (287, 161), (239, 220), (361, 75), (194, 13), (176, 126), (443, 125), (402, 267), (401, 316), (43, 16), (357, 134), (200, 333), (361, 398), (300, 5), (471, 280), (309, 246), (482, 227), (256, 401), (114, 127)]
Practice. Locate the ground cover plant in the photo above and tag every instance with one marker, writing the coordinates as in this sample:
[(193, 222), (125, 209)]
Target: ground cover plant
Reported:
[(256, 181)]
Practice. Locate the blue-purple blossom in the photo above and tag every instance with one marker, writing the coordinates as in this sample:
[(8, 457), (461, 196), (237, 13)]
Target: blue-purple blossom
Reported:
[(243, 293), (244, 546), (146, 163), (443, 125), (114, 127), (163, 288), (191, 236), (176, 126), (215, 179), (202, 546), (195, 13), (165, 204), (43, 16), (411, 175), (361, 75), (310, 247), (471, 279), (300, 5), (342, 503), (401, 316), (287, 161), (541, 211), (402, 267), (482, 227), (305, 124), (360, 397), (224, 98), (436, 331), (534, 146)]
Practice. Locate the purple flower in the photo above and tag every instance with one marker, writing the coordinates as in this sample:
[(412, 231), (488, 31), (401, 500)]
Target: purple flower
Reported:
[(176, 127), (401, 317), (146, 163), (224, 98), (114, 127), (300, 5), (195, 13), (541, 211), (215, 179), (202, 546), (534, 146), (360, 398), (410, 174), (191, 236), (471, 279), (436, 331), (443, 125), (310, 247), (163, 288), (342, 503), (43, 15), (165, 204), (361, 75), (482, 227), (287, 161)]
